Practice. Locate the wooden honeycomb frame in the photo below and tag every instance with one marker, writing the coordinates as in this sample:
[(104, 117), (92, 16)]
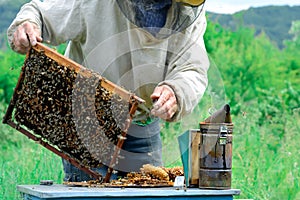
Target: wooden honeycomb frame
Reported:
[(43, 108)]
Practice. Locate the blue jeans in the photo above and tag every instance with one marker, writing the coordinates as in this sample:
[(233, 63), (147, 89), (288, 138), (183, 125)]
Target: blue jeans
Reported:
[(142, 146)]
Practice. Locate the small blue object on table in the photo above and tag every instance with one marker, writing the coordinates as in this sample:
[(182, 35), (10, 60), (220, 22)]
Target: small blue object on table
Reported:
[(63, 192)]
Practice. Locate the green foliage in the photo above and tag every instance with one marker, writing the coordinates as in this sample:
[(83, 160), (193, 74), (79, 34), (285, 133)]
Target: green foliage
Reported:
[(10, 65), (251, 64), (295, 30), (275, 21)]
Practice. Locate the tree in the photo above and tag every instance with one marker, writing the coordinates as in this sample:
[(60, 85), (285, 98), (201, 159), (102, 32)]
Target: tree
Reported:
[(295, 30)]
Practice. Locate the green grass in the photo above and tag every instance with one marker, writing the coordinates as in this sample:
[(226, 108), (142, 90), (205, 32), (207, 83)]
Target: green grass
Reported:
[(24, 162), (266, 166)]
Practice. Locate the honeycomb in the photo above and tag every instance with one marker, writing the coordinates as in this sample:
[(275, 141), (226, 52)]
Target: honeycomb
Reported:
[(71, 108)]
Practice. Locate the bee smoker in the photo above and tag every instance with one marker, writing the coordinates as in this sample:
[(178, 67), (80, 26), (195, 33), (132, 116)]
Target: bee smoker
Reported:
[(206, 153)]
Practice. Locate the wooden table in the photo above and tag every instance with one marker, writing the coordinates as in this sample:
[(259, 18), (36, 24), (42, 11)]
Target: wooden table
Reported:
[(62, 192)]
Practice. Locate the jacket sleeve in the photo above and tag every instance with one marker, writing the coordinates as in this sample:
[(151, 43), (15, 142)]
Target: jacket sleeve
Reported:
[(57, 20), (187, 67)]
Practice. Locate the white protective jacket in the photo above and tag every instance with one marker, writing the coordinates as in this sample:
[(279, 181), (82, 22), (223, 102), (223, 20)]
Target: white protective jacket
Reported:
[(100, 37)]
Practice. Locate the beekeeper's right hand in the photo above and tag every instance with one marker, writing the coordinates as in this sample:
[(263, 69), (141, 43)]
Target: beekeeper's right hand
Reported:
[(26, 35)]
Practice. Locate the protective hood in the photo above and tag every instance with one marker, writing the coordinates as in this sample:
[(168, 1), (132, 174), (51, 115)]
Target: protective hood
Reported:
[(161, 17)]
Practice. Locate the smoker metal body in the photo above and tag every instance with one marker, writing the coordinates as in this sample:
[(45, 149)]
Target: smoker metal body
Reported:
[(215, 155), (206, 153)]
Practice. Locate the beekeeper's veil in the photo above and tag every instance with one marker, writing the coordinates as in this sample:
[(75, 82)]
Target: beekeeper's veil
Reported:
[(161, 17)]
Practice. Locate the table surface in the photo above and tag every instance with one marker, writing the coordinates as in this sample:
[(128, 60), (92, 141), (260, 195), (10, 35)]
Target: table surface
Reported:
[(63, 191)]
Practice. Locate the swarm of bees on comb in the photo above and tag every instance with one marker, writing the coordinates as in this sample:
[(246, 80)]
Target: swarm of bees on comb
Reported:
[(70, 109)]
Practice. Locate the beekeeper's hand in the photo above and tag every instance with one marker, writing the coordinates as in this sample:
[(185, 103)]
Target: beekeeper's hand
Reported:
[(165, 105), (26, 35)]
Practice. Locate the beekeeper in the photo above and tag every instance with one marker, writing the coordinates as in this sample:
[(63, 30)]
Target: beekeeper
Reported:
[(153, 48)]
